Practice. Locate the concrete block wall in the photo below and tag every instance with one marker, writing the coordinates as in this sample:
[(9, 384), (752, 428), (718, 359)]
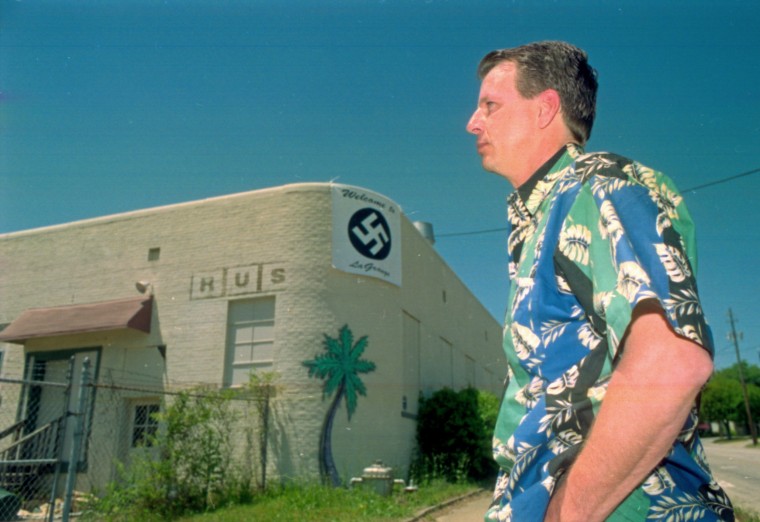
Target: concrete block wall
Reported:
[(279, 241)]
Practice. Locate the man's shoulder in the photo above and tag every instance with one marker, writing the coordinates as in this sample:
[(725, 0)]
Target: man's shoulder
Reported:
[(604, 164), (605, 167)]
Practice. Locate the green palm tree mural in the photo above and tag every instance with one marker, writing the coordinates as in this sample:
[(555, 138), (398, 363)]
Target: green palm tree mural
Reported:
[(339, 367)]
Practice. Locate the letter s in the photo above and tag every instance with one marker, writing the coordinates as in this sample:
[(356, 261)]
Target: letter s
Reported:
[(278, 276)]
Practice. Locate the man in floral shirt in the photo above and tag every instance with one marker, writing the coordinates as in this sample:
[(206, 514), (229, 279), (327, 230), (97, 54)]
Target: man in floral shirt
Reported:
[(605, 337)]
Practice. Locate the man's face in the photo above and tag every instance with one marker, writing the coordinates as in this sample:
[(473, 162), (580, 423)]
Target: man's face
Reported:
[(504, 122)]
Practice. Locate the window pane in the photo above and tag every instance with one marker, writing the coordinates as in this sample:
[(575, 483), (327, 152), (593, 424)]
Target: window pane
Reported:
[(243, 333), (243, 353), (263, 308), (263, 332), (241, 375), (141, 415), (144, 424), (263, 351)]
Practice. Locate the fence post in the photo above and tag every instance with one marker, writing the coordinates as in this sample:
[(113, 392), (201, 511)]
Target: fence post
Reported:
[(76, 442), (60, 435)]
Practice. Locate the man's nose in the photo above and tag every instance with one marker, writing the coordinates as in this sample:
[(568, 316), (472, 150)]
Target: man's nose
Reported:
[(474, 125)]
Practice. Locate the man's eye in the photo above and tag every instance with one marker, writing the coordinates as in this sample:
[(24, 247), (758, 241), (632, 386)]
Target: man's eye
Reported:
[(490, 107)]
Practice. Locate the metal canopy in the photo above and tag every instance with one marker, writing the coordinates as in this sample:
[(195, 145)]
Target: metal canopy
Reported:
[(131, 313)]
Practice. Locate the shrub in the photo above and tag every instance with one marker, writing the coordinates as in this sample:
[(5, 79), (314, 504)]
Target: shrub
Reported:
[(191, 470), (454, 435)]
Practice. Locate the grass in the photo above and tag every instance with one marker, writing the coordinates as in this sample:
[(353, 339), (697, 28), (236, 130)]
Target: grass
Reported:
[(737, 439), (320, 503), (746, 516)]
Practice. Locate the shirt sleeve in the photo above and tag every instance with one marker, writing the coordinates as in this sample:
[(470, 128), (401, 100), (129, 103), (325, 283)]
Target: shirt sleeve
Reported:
[(630, 233)]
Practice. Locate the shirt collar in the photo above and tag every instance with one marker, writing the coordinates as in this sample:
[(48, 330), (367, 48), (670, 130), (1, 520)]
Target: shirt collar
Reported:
[(530, 194)]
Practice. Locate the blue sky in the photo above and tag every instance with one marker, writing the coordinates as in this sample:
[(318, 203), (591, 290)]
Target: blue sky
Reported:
[(112, 106)]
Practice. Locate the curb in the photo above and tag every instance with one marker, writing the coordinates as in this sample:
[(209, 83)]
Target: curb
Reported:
[(428, 510)]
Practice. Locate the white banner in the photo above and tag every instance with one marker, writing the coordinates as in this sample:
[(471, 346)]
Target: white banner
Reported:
[(366, 236)]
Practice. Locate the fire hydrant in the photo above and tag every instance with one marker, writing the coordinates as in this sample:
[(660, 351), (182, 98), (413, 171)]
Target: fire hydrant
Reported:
[(379, 478)]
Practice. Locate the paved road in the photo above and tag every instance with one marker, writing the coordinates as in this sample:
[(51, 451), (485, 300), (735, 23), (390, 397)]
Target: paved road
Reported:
[(736, 466)]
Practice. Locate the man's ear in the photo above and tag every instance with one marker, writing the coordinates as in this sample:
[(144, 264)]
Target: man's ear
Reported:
[(549, 107)]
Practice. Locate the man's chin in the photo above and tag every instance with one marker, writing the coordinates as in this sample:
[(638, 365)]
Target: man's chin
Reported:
[(489, 166)]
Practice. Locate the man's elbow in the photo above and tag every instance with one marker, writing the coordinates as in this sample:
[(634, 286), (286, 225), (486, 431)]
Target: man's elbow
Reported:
[(700, 365)]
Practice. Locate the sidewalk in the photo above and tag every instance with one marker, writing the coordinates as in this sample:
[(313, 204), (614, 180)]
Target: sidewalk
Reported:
[(470, 507), (473, 509)]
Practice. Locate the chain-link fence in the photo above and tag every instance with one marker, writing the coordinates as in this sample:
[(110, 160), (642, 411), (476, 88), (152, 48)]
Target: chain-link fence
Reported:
[(39, 416), (64, 436)]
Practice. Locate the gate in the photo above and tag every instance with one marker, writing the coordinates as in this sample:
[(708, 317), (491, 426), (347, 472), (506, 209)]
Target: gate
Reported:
[(42, 425)]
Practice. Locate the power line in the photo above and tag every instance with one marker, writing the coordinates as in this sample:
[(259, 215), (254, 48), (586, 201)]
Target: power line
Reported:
[(690, 189), (473, 233), (724, 180)]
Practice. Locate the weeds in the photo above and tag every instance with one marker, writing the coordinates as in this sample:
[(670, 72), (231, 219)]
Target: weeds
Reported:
[(318, 502)]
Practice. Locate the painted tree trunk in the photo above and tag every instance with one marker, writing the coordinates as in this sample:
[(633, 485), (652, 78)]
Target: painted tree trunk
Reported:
[(326, 463)]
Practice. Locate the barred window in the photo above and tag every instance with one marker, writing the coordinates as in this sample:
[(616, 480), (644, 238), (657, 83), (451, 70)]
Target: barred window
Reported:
[(144, 424)]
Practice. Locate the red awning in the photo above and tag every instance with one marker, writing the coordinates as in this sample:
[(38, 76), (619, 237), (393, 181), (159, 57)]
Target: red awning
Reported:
[(134, 313)]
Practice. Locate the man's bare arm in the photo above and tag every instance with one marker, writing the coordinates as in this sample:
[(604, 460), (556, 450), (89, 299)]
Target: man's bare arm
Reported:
[(649, 397)]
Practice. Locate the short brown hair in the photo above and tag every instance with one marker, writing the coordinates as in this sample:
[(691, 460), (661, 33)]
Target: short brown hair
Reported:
[(553, 65)]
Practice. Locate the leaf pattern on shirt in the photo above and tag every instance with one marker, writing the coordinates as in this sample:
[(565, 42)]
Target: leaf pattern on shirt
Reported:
[(540, 191), (567, 380), (588, 337), (684, 302), (668, 200), (568, 180), (562, 285), (500, 514), (530, 394), (526, 454), (609, 222), (588, 165), (565, 440), (597, 393), (691, 332), (644, 175), (602, 186), (519, 234), (631, 277), (606, 196), (574, 242), (558, 413), (524, 286), (682, 508), (525, 341), (717, 500), (551, 330), (602, 301), (658, 482), (675, 263), (663, 222)]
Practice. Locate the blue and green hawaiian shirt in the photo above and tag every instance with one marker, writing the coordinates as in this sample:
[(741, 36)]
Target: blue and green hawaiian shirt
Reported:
[(592, 236)]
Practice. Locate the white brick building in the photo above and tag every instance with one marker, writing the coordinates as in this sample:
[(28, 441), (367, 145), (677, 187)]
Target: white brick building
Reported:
[(244, 282)]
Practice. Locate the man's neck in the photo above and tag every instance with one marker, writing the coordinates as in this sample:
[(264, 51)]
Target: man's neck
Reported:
[(539, 160), (527, 187)]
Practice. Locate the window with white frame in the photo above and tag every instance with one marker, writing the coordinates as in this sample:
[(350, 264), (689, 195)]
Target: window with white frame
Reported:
[(250, 338), (144, 423)]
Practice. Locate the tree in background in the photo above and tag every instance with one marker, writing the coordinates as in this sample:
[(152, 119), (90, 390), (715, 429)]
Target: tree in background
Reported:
[(754, 405), (722, 399), (339, 367)]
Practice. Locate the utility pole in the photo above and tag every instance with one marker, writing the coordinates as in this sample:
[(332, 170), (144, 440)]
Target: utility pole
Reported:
[(733, 337)]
